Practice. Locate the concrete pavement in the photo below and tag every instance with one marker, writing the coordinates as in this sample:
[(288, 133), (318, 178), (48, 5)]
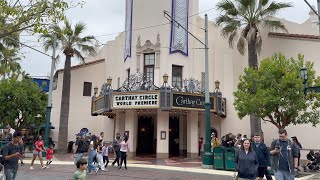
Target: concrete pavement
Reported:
[(138, 168)]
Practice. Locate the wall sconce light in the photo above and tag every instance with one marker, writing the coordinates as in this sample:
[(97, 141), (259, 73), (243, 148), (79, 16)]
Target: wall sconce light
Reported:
[(165, 78), (95, 89), (109, 81)]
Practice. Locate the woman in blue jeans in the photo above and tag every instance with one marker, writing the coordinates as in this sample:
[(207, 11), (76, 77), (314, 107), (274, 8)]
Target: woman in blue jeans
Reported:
[(92, 154)]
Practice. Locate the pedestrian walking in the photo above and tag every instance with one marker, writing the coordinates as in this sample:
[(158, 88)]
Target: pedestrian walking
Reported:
[(38, 149), (105, 153), (49, 156), (116, 148), (92, 154), (81, 172), (298, 144), (200, 146), (246, 161), (285, 157), (214, 141), (99, 157), (81, 147), (263, 155), (124, 148), (11, 153)]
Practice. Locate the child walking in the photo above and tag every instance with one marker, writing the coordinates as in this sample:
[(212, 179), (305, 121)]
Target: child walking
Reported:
[(105, 153), (49, 156), (81, 172)]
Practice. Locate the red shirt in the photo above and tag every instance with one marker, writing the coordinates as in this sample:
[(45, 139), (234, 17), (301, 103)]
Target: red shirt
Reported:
[(40, 144), (49, 153)]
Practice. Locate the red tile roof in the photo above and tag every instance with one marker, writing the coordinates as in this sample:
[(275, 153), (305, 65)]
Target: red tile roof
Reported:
[(83, 65), (293, 36)]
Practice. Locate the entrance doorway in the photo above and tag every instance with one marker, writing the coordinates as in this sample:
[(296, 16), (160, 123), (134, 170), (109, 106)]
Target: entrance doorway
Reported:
[(174, 136), (145, 144)]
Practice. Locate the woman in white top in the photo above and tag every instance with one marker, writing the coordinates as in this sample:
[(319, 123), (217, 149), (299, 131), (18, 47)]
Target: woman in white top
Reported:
[(124, 148)]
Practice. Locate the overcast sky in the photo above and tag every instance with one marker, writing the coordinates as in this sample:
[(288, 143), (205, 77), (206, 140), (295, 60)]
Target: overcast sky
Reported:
[(104, 17)]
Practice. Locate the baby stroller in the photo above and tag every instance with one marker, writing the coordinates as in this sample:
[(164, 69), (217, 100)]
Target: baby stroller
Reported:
[(313, 163)]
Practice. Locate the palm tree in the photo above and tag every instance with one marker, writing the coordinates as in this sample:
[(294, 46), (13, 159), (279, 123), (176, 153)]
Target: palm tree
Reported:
[(71, 43), (9, 65), (240, 21)]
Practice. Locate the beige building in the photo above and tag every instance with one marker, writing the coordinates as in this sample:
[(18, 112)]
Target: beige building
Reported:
[(135, 108)]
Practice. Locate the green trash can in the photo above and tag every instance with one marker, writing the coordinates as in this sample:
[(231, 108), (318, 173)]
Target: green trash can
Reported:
[(218, 155), (229, 154)]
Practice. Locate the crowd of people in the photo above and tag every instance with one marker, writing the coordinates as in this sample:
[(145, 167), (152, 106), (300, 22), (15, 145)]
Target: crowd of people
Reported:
[(252, 157), (13, 151), (91, 153)]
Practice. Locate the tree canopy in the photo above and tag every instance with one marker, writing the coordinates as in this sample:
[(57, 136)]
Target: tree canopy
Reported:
[(279, 92), (31, 15), (21, 103)]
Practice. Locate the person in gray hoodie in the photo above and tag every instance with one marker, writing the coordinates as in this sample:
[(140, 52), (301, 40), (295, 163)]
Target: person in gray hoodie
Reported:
[(246, 161), (285, 157)]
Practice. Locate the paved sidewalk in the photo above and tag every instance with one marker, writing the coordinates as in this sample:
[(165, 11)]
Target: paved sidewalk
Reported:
[(63, 172), (138, 168)]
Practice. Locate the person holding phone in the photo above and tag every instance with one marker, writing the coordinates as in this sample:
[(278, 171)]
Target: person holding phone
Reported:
[(12, 152), (285, 157)]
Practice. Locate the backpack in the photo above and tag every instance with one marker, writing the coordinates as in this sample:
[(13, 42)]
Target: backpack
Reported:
[(83, 147)]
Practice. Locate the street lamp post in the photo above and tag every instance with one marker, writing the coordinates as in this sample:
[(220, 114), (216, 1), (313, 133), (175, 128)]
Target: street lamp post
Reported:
[(49, 107), (304, 77), (207, 159)]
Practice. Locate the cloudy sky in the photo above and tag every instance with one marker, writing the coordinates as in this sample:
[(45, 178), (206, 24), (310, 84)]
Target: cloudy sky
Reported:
[(105, 19)]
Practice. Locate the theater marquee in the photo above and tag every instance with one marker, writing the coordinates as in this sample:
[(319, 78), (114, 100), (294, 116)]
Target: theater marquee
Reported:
[(135, 101)]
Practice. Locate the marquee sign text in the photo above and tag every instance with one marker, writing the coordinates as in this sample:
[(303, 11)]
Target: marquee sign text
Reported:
[(189, 101), (135, 101)]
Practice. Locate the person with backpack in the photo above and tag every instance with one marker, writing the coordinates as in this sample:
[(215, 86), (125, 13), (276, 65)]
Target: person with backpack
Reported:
[(285, 157), (11, 154), (80, 148)]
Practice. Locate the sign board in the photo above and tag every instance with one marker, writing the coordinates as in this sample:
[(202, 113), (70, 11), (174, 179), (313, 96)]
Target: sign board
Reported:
[(135, 101), (188, 101)]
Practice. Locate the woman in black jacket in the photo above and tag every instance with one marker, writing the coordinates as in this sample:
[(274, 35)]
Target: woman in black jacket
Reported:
[(246, 162)]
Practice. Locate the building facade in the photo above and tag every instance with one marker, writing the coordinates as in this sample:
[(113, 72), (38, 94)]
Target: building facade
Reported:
[(151, 47)]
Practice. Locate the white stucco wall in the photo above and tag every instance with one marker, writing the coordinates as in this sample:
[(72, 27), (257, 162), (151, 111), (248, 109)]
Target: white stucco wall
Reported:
[(80, 106), (225, 65)]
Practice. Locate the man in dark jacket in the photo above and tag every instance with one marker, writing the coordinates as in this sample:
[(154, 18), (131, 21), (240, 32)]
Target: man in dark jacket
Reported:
[(285, 157), (263, 154)]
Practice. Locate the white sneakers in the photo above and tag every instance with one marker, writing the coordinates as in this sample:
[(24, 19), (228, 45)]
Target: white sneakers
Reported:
[(43, 167)]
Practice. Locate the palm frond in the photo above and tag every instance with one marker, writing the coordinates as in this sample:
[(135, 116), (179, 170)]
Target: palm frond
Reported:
[(274, 25), (241, 45), (87, 49), (231, 38), (56, 62), (79, 28), (274, 8), (79, 56), (228, 7)]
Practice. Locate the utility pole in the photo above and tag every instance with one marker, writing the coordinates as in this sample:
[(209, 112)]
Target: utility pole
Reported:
[(207, 160), (318, 2), (49, 106)]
